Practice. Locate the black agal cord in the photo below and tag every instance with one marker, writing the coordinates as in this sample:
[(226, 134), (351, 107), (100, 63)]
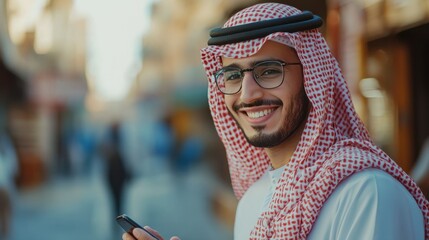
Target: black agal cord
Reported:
[(300, 22)]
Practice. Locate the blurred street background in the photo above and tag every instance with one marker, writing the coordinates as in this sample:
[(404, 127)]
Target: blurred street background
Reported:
[(103, 109)]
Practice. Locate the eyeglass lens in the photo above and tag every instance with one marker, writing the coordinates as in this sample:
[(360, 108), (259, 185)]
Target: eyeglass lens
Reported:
[(267, 74)]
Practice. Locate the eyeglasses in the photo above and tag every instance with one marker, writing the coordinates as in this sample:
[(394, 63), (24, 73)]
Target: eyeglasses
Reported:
[(267, 74)]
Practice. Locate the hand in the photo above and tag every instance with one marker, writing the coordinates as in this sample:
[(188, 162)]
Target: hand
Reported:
[(139, 234)]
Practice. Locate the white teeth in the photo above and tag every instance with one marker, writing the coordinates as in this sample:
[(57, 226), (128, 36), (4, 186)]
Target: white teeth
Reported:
[(259, 114)]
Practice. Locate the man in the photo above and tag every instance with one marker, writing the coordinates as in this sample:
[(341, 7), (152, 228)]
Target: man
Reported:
[(301, 161)]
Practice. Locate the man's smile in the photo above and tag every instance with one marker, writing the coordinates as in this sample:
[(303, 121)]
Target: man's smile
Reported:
[(259, 114), (258, 111)]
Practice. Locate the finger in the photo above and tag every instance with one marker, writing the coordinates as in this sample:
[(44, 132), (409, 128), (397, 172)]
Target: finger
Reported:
[(175, 238), (140, 234), (153, 231), (127, 236)]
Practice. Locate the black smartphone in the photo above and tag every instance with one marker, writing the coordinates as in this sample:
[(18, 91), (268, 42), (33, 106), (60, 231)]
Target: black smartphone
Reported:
[(128, 225)]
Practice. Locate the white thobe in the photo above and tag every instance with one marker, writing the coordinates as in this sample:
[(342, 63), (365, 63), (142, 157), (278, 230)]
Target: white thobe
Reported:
[(370, 205)]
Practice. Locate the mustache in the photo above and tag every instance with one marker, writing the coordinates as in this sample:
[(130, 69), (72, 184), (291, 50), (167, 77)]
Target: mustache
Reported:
[(257, 103)]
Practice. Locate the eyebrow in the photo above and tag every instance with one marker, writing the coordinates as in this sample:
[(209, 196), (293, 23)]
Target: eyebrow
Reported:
[(253, 63)]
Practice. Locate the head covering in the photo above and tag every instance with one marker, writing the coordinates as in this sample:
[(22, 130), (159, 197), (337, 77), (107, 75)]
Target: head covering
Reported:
[(334, 143)]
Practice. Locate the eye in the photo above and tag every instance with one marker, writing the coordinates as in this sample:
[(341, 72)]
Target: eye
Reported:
[(232, 75), (268, 71)]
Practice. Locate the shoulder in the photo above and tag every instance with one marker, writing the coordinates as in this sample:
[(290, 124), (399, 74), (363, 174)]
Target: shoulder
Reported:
[(372, 187), (371, 180), (372, 202)]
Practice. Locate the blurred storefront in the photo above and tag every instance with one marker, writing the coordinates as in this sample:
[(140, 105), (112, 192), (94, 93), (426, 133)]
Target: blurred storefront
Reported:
[(382, 45)]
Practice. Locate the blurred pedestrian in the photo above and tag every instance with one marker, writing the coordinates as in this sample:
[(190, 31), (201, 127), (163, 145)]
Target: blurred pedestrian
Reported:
[(162, 145), (302, 163), (8, 171), (117, 173)]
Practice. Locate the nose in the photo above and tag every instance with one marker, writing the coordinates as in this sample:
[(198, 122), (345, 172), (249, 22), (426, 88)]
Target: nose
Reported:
[(250, 90)]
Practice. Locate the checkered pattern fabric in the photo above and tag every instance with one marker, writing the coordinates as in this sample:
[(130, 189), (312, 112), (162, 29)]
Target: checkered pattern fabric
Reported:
[(334, 144)]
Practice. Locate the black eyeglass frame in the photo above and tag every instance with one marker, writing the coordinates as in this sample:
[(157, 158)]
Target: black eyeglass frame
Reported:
[(255, 77)]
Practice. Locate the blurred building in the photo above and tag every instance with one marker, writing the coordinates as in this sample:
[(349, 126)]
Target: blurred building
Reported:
[(44, 46)]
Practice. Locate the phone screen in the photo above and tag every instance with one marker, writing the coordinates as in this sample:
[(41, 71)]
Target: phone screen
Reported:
[(128, 225)]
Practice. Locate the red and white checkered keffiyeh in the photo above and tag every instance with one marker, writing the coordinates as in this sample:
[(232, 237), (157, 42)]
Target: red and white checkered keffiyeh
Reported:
[(334, 144)]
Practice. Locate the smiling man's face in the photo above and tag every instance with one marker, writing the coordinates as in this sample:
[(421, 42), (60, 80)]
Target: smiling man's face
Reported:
[(268, 117)]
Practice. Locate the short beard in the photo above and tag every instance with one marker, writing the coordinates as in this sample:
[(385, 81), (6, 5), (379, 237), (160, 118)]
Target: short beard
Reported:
[(296, 116)]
